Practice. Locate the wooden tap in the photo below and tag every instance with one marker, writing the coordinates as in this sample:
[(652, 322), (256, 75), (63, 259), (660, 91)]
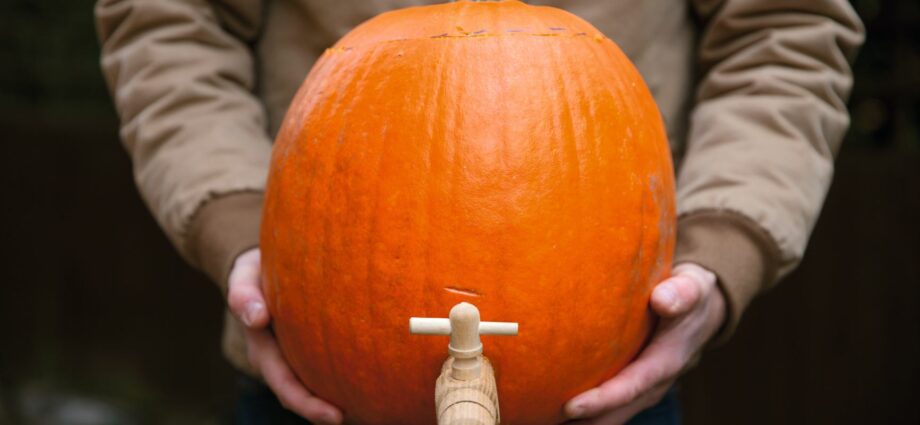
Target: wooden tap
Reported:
[(465, 392)]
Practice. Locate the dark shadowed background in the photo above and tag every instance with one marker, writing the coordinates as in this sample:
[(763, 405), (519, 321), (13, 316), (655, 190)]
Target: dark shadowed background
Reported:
[(104, 324)]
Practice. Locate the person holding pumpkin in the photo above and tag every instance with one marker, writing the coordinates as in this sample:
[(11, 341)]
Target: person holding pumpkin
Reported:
[(201, 88)]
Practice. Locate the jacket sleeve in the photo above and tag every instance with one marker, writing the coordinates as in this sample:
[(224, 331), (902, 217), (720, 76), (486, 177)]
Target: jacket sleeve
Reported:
[(769, 117), (182, 77)]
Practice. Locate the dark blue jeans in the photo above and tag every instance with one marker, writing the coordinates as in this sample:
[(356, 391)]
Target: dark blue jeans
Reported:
[(257, 406)]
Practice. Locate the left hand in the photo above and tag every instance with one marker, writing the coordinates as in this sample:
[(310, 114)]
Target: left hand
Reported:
[(692, 309), (247, 302)]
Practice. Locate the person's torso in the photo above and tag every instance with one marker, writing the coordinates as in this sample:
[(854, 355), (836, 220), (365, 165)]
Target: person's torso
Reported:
[(657, 35)]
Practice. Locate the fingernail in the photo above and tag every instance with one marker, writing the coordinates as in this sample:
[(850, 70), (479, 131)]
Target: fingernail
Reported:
[(576, 410), (331, 418), (579, 406), (253, 309), (667, 294)]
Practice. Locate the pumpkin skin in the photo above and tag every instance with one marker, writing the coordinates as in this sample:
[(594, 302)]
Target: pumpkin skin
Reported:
[(497, 153)]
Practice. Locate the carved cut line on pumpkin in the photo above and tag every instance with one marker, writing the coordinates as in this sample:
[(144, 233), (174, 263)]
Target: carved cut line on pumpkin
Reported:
[(462, 291), (467, 36)]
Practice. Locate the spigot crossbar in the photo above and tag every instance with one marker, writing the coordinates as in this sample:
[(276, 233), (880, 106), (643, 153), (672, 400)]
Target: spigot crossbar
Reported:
[(438, 326)]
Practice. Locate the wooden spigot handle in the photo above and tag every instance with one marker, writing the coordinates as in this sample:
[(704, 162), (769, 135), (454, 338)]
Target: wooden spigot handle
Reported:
[(465, 393), (464, 328), (437, 326)]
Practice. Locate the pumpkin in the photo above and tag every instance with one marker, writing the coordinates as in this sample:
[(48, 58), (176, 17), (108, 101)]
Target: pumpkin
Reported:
[(497, 153)]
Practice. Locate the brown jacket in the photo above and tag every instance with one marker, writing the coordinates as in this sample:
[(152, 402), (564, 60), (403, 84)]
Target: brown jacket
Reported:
[(753, 94)]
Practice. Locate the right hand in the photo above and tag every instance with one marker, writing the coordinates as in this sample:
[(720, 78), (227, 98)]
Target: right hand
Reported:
[(248, 305)]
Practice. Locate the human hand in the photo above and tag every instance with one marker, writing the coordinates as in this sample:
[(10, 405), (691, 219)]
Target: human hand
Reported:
[(692, 309), (248, 305)]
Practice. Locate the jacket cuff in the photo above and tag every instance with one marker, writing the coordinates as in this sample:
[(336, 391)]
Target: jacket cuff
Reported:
[(221, 230), (742, 255)]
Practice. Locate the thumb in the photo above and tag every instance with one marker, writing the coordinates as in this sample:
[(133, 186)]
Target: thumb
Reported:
[(244, 294), (681, 292)]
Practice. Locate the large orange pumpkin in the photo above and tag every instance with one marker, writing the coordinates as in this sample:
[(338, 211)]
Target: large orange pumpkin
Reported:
[(492, 152)]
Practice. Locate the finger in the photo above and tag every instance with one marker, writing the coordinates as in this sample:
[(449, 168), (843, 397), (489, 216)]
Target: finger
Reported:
[(278, 375), (622, 415), (695, 270), (245, 295), (676, 296), (658, 364)]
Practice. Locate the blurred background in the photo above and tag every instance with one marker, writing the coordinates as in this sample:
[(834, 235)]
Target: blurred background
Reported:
[(104, 324)]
